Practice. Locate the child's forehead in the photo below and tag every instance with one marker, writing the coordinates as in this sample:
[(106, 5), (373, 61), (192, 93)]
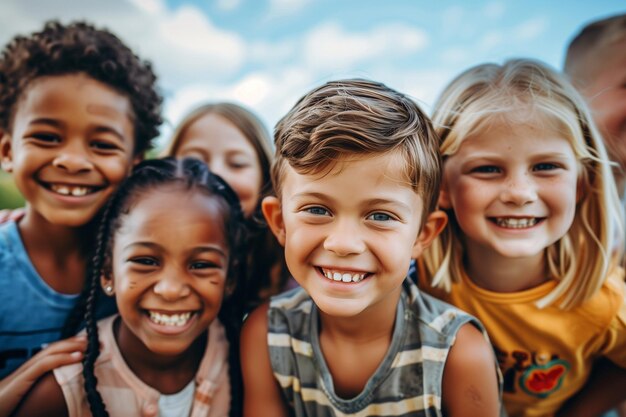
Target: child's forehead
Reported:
[(74, 99), (389, 169)]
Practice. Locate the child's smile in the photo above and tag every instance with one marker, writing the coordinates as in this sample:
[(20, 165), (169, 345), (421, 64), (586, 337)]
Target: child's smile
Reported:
[(66, 158), (169, 271), (513, 192), (516, 222), (338, 275), (350, 233)]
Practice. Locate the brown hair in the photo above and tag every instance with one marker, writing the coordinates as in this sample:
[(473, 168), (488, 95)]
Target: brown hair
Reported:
[(243, 119), (81, 48), (586, 50), (358, 117)]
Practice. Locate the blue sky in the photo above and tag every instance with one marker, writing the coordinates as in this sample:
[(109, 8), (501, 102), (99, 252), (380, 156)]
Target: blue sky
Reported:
[(266, 53)]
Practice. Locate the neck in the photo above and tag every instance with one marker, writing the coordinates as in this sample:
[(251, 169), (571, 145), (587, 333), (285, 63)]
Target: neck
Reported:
[(376, 322), (58, 253), (504, 274), (59, 240)]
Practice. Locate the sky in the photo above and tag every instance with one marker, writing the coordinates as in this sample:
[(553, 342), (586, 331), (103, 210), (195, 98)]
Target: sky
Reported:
[(265, 54)]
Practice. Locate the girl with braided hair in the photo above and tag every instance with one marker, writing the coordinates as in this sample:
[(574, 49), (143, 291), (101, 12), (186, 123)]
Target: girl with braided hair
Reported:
[(168, 249)]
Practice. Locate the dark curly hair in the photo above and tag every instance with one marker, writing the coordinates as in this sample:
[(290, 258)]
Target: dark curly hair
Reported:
[(154, 174), (81, 48)]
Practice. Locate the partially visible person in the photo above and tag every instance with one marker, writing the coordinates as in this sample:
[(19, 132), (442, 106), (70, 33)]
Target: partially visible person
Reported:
[(77, 110), (534, 215), (596, 64), (236, 146), (166, 353), (356, 174)]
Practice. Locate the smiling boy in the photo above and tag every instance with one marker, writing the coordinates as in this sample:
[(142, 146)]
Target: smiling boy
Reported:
[(77, 111), (357, 173)]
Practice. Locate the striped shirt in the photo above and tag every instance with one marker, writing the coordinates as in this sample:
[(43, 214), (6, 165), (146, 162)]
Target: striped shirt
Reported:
[(406, 383)]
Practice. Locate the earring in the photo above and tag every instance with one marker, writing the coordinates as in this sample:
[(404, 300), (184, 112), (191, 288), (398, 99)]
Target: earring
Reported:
[(108, 289)]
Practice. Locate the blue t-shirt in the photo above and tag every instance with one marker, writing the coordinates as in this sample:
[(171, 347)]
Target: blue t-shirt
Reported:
[(31, 313)]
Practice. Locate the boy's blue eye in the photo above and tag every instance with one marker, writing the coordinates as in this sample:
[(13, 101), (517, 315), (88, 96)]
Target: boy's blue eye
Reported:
[(318, 211), (545, 166), (379, 217)]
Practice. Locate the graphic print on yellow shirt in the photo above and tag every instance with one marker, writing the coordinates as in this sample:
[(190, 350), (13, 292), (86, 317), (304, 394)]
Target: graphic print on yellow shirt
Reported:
[(545, 355), (537, 374)]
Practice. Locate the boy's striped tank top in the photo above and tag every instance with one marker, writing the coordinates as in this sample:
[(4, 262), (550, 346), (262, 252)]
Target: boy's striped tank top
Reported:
[(406, 383)]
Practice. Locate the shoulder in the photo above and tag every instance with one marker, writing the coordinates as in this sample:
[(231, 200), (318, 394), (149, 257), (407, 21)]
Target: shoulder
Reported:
[(608, 302), (471, 382), (436, 315), (471, 345), (44, 399), (255, 325)]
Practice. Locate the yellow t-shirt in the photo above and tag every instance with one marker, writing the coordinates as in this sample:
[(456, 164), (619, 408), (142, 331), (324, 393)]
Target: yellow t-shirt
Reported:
[(546, 354)]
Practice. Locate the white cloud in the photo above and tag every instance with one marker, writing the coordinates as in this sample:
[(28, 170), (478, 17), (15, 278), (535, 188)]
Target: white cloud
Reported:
[(491, 40), (272, 53), (530, 29), (329, 47), (269, 94), (150, 6)]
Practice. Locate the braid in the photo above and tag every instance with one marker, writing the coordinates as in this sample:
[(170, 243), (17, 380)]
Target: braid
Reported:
[(96, 405), (192, 174), (89, 296)]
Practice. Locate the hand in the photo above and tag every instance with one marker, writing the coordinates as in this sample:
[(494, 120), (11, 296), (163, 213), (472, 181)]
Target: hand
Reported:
[(7, 215), (15, 386)]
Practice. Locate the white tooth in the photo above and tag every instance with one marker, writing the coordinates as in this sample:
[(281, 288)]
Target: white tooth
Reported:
[(337, 276), (61, 189), (329, 274), (79, 191), (357, 277), (346, 278)]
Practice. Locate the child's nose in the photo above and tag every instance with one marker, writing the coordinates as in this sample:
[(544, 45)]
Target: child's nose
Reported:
[(171, 287), (519, 190), (73, 160), (344, 239)]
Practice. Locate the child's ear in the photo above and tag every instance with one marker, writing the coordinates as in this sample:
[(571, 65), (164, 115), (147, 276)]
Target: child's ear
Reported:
[(273, 213), (434, 224), (107, 285), (6, 154), (137, 159)]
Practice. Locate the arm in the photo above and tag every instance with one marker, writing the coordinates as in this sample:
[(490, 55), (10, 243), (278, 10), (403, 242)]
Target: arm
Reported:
[(470, 384), (262, 396), (45, 399), (14, 387), (603, 390)]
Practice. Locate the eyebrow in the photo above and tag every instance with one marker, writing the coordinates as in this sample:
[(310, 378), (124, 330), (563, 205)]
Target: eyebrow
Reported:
[(370, 202), (59, 124), (156, 246)]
